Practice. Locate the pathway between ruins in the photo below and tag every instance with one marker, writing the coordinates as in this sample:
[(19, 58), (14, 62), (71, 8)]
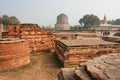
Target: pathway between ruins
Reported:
[(43, 66)]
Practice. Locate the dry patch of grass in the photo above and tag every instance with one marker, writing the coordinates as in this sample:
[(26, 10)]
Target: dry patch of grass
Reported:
[(43, 66)]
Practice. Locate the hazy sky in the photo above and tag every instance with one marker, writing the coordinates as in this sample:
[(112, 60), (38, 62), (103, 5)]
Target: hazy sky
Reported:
[(45, 12)]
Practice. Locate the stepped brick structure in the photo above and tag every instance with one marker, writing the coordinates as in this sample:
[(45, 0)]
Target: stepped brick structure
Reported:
[(102, 68), (13, 53), (73, 52), (38, 39), (62, 22)]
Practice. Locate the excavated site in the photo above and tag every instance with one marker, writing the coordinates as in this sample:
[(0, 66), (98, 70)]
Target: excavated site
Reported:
[(28, 52), (96, 59)]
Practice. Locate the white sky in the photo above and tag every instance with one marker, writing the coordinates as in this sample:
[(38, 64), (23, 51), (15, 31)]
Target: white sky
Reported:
[(45, 12)]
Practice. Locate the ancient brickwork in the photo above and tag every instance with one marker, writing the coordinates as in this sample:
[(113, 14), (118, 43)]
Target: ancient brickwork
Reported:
[(14, 31), (114, 38), (13, 53), (111, 38), (1, 31), (102, 68), (68, 35), (38, 41), (37, 38), (73, 52)]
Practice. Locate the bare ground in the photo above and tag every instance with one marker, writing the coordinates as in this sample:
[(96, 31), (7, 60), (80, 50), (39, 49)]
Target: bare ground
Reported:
[(43, 66)]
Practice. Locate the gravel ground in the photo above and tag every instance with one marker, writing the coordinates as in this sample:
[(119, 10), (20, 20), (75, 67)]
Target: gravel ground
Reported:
[(43, 66)]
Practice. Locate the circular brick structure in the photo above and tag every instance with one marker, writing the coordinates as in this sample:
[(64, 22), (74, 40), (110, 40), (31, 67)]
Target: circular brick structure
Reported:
[(13, 53)]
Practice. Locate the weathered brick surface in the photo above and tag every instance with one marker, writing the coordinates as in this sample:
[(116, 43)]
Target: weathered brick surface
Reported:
[(113, 38), (73, 35), (0, 31), (13, 53), (73, 52), (66, 74), (37, 38), (102, 68)]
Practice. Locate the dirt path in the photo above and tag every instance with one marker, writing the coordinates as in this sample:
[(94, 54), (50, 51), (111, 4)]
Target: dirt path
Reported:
[(43, 66)]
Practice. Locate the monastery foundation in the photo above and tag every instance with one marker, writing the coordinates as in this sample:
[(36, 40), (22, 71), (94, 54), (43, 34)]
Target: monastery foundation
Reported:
[(73, 52)]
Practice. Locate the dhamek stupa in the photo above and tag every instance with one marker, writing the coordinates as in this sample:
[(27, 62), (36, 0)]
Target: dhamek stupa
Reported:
[(62, 22)]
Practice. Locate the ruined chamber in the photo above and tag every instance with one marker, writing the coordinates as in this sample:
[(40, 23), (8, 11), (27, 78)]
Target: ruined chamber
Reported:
[(13, 53), (38, 39), (73, 52)]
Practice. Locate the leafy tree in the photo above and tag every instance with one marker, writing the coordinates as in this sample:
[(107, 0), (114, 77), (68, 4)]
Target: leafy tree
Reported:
[(76, 27), (111, 21), (47, 27), (6, 20), (117, 22), (89, 20), (14, 20)]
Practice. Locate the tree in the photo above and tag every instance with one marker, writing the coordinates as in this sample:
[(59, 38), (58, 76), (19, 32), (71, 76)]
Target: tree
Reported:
[(117, 22), (6, 20), (14, 20), (89, 20), (111, 21), (76, 27), (46, 27)]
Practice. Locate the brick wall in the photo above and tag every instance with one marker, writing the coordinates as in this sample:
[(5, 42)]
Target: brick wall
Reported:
[(112, 38), (73, 55), (0, 31), (37, 38), (13, 53)]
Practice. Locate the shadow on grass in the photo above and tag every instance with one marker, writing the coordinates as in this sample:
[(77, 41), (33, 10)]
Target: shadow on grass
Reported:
[(57, 61)]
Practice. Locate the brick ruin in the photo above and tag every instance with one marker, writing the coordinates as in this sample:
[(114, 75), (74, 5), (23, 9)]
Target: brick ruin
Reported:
[(73, 52), (38, 39), (13, 53), (114, 38), (102, 68), (73, 35), (0, 31), (77, 48)]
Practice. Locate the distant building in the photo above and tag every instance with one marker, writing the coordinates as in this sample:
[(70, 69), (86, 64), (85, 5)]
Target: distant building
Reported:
[(105, 26), (104, 20), (62, 22)]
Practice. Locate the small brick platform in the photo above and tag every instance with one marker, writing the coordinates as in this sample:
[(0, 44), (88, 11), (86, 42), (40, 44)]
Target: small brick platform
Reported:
[(73, 52), (13, 53)]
